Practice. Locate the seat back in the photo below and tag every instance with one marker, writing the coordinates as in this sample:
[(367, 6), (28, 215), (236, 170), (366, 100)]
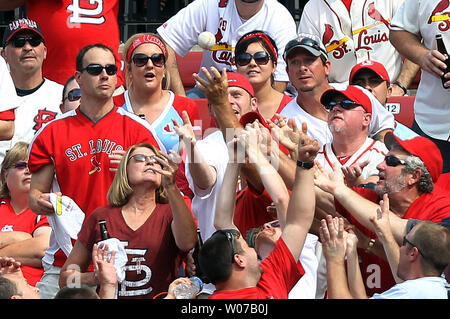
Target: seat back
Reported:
[(403, 109), (187, 65)]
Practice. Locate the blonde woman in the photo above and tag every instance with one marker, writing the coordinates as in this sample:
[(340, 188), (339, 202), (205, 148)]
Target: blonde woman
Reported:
[(149, 215), (24, 235), (146, 77)]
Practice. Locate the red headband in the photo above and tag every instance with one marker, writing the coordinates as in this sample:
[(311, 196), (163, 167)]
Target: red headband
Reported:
[(146, 38), (265, 38)]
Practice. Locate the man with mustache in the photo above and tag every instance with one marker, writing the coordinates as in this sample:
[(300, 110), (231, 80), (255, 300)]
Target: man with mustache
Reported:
[(38, 97), (350, 113), (408, 176)]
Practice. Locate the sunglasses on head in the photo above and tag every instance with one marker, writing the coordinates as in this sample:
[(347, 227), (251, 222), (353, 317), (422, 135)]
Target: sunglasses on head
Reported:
[(141, 59), (393, 161), (230, 234), (261, 58), (73, 95), (345, 104), (19, 42), (19, 165), (96, 69)]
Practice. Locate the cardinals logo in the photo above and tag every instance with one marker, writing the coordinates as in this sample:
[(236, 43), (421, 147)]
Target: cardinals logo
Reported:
[(43, 116), (376, 15), (96, 164), (328, 34), (338, 47), (443, 18)]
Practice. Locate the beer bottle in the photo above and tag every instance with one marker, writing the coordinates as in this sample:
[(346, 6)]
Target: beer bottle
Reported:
[(103, 231), (441, 48)]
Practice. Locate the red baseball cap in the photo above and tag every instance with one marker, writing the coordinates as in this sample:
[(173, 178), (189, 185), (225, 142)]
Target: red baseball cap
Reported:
[(238, 80), (352, 93), (421, 147), (375, 66), (251, 117), (19, 25)]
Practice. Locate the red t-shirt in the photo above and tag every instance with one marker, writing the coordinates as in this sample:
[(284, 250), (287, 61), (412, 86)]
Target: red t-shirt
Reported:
[(434, 206), (27, 222), (285, 100), (153, 255), (79, 149), (8, 115), (281, 273), (251, 209), (68, 26)]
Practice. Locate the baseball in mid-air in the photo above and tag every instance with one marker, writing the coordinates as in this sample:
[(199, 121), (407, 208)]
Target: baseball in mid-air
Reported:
[(206, 40)]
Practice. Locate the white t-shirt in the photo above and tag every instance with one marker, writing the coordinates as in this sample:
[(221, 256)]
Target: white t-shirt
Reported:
[(305, 288), (214, 151), (432, 103), (34, 110), (8, 96), (221, 18), (421, 288)]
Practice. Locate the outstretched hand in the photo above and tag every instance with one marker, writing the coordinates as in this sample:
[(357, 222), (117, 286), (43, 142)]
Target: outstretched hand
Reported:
[(215, 87), (308, 147)]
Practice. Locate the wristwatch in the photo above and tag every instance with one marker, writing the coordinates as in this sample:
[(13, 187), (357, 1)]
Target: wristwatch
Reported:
[(305, 165), (370, 245)]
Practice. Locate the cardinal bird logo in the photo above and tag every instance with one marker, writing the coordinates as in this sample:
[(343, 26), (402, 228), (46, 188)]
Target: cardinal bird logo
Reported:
[(444, 4), (328, 34), (376, 15), (96, 165)]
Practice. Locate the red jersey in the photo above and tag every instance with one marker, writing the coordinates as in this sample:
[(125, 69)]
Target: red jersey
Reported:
[(434, 206), (251, 209), (27, 222), (281, 273), (153, 255), (285, 100), (68, 26), (79, 149)]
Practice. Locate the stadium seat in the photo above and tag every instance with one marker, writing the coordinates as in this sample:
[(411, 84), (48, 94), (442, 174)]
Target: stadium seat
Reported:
[(403, 109), (206, 120), (187, 65)]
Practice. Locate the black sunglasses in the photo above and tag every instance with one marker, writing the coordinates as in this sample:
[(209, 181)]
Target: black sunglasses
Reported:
[(406, 241), (305, 42), (96, 69), (230, 234), (393, 161), (19, 165), (261, 58), (19, 42), (73, 95), (345, 104), (141, 59)]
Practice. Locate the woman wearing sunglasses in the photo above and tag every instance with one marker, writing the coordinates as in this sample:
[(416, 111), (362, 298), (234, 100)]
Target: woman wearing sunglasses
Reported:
[(24, 236), (147, 82), (149, 214), (256, 58), (71, 95)]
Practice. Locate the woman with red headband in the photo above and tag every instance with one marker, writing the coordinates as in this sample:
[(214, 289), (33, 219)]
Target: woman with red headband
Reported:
[(147, 80), (256, 58)]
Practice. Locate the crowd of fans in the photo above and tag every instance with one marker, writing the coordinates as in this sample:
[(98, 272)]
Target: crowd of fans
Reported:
[(303, 185)]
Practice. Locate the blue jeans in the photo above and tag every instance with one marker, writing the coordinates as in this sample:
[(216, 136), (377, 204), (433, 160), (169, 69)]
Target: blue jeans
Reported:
[(195, 93)]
